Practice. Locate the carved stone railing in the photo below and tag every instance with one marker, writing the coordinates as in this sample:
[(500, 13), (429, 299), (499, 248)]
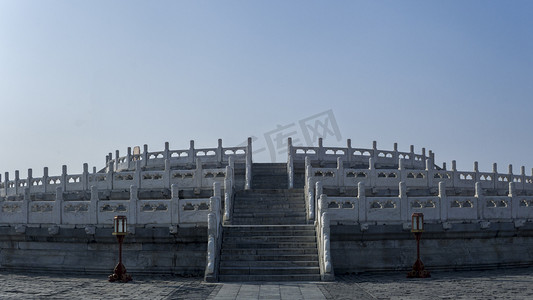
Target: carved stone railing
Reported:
[(187, 157), (196, 178), (442, 209), (98, 209), (214, 235), (320, 155), (323, 241), (429, 177)]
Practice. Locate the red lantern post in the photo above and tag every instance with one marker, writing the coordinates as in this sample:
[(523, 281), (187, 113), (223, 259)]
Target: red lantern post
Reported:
[(417, 227), (120, 231)]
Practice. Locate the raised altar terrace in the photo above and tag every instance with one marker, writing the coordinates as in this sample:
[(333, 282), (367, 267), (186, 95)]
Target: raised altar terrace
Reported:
[(193, 210)]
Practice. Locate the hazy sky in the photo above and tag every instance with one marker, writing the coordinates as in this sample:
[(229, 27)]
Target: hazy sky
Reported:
[(80, 79)]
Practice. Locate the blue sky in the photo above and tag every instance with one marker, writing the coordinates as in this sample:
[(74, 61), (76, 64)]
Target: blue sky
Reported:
[(80, 79)]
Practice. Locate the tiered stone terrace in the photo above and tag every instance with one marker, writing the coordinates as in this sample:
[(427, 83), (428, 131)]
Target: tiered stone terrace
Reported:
[(181, 202)]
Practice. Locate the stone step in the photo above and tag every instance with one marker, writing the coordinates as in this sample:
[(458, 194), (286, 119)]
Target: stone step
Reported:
[(269, 214), (265, 206), (268, 201), (227, 256), (268, 251), (266, 245), (286, 227), (270, 278), (246, 232), (267, 264), (268, 270), (270, 191), (267, 221), (254, 239)]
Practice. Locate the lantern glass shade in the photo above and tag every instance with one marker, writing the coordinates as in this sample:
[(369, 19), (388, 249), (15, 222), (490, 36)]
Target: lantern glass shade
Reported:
[(417, 222), (120, 225)]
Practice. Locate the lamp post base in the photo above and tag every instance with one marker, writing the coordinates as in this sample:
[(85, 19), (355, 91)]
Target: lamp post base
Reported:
[(418, 271), (119, 274)]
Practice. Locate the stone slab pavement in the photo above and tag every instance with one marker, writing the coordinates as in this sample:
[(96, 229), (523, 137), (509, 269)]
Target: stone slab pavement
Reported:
[(514, 283)]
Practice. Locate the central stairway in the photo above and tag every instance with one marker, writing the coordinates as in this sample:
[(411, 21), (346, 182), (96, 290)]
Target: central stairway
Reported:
[(269, 239)]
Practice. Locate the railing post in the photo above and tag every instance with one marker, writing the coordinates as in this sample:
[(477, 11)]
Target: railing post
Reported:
[(145, 155), (85, 177), (290, 163), (117, 161), (327, 274), (128, 158), (340, 173), (248, 180), (58, 206), (137, 180), (361, 197), (175, 209), (515, 203), (26, 206), (109, 177), (479, 195), (228, 196), (404, 202), (443, 202), (45, 179), (94, 205), (64, 178), (220, 152), (17, 179), (134, 204), (321, 152), (349, 155), (166, 153), (166, 174), (212, 225), (192, 154)]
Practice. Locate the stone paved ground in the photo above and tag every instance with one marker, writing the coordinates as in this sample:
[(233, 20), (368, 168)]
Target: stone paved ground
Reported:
[(53, 286), (492, 284)]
